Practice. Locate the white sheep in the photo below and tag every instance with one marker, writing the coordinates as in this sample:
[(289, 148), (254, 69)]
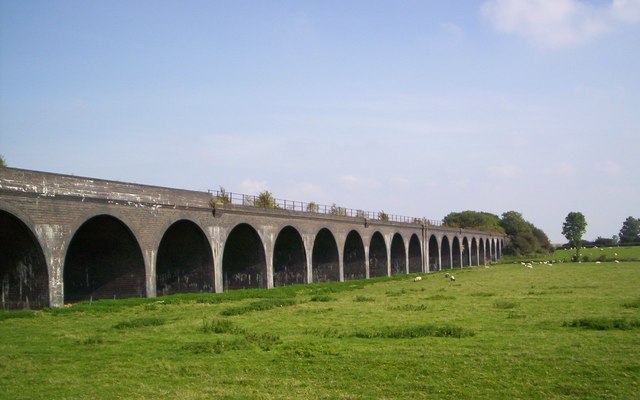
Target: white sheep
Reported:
[(417, 279), (453, 278)]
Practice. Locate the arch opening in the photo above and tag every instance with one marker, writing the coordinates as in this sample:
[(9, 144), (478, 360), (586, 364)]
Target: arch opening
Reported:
[(398, 256), (434, 254), (103, 261), (415, 254), (24, 280), (184, 262), (354, 261), (244, 263), (474, 252), (377, 256), (494, 257), (325, 257), (465, 252), (487, 252), (482, 252), (446, 253), (289, 258), (456, 256)]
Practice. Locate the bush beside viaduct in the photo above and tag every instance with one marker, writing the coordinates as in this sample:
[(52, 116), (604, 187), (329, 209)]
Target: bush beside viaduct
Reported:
[(65, 238)]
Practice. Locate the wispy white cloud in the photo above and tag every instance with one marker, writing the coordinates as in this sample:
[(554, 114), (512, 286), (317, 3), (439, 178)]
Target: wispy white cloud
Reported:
[(608, 167), (250, 186), (558, 23), (562, 169), (626, 10), (504, 170), (452, 29), (354, 182)]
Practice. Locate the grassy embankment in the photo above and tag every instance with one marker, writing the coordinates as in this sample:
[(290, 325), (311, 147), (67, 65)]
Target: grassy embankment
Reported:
[(562, 331)]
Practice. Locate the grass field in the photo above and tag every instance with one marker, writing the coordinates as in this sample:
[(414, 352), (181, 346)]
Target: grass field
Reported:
[(567, 331)]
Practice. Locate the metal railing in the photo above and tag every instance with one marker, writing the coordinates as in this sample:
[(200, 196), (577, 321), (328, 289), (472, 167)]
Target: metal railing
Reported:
[(247, 200)]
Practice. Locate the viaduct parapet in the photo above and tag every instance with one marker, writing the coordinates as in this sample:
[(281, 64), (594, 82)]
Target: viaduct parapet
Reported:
[(65, 238)]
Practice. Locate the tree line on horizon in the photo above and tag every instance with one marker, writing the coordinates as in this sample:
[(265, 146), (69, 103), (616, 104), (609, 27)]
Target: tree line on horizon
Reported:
[(524, 238)]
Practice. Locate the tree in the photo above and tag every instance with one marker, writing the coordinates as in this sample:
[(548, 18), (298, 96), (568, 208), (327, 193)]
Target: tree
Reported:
[(472, 219), (575, 225), (630, 231), (3, 163), (513, 223)]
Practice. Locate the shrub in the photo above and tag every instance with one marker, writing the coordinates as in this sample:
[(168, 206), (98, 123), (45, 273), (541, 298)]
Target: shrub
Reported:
[(266, 200), (313, 207), (383, 216)]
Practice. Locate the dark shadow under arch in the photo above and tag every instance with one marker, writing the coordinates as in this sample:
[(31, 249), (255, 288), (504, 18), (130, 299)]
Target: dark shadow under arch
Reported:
[(398, 256), (445, 253), (184, 262), (377, 256), (415, 254), (243, 260), (24, 281), (325, 257), (456, 261), (434, 254), (104, 261), (474, 252), (354, 261), (289, 258)]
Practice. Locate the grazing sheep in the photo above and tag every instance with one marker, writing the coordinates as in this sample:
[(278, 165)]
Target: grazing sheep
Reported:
[(417, 279), (453, 278), (447, 275), (598, 262), (616, 261)]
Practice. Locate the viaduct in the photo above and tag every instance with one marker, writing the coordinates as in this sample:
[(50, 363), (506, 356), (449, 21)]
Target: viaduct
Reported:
[(65, 238)]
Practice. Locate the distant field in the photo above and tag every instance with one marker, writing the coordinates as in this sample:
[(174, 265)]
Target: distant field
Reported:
[(549, 332), (606, 252)]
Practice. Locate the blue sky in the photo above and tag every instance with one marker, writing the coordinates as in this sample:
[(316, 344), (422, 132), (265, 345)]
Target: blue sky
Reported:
[(417, 108)]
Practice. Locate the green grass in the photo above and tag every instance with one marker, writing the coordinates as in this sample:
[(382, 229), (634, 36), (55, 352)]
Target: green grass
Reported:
[(605, 253), (567, 331)]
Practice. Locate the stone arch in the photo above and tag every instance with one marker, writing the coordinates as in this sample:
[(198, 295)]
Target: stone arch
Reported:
[(456, 255), (24, 279), (184, 262), (354, 259), (434, 254), (398, 255), (244, 263), (445, 251), (377, 256), (415, 254), (466, 251), (289, 258), (487, 251), (103, 261), (325, 257), (474, 251)]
